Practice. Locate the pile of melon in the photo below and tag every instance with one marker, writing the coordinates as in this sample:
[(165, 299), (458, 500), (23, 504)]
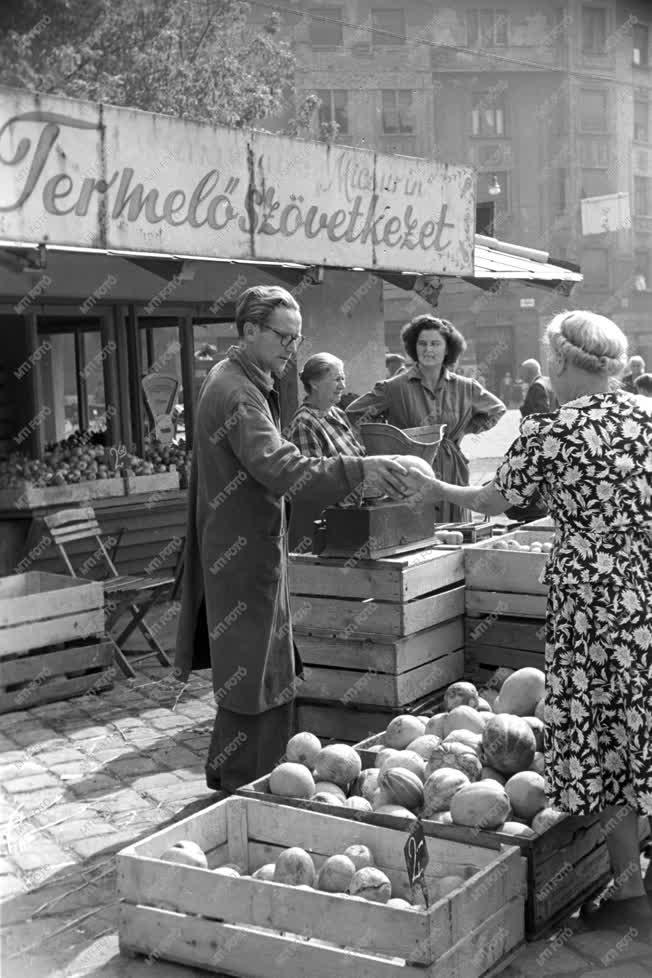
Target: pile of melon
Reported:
[(479, 763), (507, 543), (352, 873)]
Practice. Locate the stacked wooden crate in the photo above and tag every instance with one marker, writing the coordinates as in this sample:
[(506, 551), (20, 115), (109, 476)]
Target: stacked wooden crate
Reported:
[(505, 603), (52, 640), (376, 637), (254, 928)]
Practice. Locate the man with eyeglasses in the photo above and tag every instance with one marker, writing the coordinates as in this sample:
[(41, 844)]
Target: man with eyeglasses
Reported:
[(235, 608)]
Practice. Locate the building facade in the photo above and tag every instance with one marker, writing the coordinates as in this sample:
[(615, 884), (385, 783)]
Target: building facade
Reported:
[(551, 104)]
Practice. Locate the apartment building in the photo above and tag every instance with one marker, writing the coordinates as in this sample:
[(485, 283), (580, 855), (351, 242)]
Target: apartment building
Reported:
[(550, 102)]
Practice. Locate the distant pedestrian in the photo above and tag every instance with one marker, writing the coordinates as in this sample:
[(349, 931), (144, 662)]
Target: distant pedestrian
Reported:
[(507, 390), (643, 385), (394, 363), (540, 397), (635, 368)]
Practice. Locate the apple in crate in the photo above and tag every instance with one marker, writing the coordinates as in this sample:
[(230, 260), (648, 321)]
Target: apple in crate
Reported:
[(186, 853)]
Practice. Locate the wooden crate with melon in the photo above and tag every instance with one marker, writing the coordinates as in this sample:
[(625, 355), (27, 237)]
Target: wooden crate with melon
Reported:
[(266, 891), (377, 635), (505, 602), (466, 772)]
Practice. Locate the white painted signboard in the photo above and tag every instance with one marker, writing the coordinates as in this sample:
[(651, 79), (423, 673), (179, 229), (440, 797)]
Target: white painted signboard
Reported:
[(97, 176)]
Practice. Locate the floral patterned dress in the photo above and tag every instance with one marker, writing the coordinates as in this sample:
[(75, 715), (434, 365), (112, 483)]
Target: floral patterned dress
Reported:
[(592, 463)]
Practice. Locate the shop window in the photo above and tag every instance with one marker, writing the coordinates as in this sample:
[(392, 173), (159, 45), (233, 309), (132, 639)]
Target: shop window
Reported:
[(642, 121), (486, 28), (640, 45), (333, 110), (397, 112), (642, 196), (388, 27), (325, 27), (488, 114), (71, 373), (594, 29), (595, 183), (595, 267), (593, 111)]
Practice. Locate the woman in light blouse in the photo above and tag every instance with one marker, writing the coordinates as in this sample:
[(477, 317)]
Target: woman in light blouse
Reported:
[(430, 393)]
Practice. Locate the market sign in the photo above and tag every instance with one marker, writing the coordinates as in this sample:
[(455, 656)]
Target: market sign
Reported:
[(96, 176)]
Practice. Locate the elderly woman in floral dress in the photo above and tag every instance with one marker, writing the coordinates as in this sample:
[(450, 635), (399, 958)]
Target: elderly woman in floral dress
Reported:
[(592, 463)]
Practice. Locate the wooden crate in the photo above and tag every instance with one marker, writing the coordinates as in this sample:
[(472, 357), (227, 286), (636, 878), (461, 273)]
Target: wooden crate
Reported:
[(390, 597), (39, 609), (31, 497), (253, 928), (516, 573), (547, 524), (493, 641), (158, 482), (350, 723), (55, 674), (387, 674)]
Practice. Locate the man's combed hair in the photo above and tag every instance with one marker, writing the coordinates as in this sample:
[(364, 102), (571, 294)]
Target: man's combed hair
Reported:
[(257, 304), (455, 342)]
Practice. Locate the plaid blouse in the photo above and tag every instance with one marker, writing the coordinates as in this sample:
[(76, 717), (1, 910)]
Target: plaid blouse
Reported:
[(323, 435)]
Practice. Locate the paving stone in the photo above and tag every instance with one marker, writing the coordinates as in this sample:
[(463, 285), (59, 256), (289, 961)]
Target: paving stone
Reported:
[(108, 844), (195, 773), (6, 743), (552, 961), (119, 802), (186, 790), (74, 771), (9, 886), (175, 757), (95, 784), (75, 829), (39, 854), (86, 733), (622, 970), (62, 755), (33, 782), (32, 803), (57, 813), (601, 943), (26, 736), (161, 780), (20, 769), (7, 867), (132, 764)]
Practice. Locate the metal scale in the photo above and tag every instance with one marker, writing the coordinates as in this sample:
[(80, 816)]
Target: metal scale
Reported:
[(378, 527)]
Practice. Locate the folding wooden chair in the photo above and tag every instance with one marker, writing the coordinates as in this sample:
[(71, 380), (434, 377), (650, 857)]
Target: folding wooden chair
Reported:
[(123, 592)]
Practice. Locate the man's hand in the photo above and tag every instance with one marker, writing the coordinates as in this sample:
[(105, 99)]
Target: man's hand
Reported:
[(386, 475)]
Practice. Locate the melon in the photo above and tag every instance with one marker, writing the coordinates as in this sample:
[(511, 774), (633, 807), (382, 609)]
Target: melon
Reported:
[(227, 871), (545, 819), (360, 855), (375, 748), (292, 780), (526, 793), (440, 788), (492, 773), (407, 759), (397, 810), (517, 829), (358, 804), (521, 692), (455, 755), (330, 788), (403, 786), (338, 763), (303, 749), (435, 725), (499, 677), (399, 904), (539, 710), (401, 730), (537, 728), (265, 872), (186, 853), (366, 783), (380, 797), (481, 805), (425, 745), (538, 764), (326, 798), (508, 743), (294, 866), (371, 884), (484, 706), (489, 696), (336, 874), (383, 754), (472, 740), (460, 694), (464, 718)]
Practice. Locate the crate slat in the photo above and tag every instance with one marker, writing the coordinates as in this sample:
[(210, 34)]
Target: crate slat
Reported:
[(349, 619), (517, 571), (66, 660), (57, 688), (369, 688), (483, 656), (507, 633), (504, 603), (35, 635), (48, 596), (392, 657)]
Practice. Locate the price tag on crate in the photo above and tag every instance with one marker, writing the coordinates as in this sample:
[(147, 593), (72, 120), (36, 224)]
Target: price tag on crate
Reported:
[(417, 858)]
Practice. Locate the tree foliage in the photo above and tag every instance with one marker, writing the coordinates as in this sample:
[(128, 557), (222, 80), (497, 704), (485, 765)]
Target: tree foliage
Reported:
[(204, 60)]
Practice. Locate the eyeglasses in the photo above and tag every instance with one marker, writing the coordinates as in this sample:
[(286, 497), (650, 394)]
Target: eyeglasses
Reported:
[(287, 339)]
